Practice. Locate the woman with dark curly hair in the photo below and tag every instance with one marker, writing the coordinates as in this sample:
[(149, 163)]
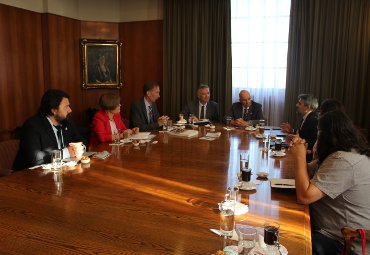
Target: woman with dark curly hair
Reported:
[(338, 192)]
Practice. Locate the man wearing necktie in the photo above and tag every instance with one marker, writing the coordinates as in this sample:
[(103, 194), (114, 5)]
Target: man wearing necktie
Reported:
[(245, 110), (203, 107), (51, 129), (307, 129), (144, 112)]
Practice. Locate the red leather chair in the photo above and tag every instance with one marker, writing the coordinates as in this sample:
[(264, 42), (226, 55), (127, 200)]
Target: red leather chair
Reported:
[(349, 234)]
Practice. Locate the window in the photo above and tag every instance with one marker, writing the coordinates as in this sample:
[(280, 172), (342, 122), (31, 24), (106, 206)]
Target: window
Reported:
[(259, 32)]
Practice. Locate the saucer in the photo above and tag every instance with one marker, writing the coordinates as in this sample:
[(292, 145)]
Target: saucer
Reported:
[(70, 163), (247, 185), (262, 174), (261, 249), (181, 122)]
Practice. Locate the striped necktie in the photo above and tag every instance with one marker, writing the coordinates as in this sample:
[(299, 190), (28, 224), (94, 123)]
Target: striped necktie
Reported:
[(151, 117), (245, 114)]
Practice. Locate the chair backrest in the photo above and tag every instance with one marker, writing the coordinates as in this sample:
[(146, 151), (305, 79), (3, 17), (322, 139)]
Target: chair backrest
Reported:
[(8, 152), (349, 234)]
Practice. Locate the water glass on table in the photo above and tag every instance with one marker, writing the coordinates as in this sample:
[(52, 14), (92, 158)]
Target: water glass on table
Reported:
[(244, 160), (228, 122), (227, 208), (56, 159), (116, 137), (165, 125), (246, 238)]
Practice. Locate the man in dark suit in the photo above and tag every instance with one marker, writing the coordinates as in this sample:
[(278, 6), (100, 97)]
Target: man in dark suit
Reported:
[(144, 112), (306, 106), (51, 129), (202, 108), (245, 110)]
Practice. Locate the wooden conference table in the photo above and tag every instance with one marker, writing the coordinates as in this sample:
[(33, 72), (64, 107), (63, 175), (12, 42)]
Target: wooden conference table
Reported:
[(155, 199)]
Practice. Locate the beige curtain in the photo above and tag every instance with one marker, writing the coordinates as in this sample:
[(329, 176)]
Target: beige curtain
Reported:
[(197, 49), (328, 55)]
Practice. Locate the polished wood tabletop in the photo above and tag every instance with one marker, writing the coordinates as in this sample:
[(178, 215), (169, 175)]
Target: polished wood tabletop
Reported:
[(157, 198)]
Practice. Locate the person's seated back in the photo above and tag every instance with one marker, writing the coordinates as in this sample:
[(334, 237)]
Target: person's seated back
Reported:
[(144, 112), (246, 110), (337, 193), (51, 129), (107, 123), (202, 107)]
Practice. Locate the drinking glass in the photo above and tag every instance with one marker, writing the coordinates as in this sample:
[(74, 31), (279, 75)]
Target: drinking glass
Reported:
[(247, 238), (246, 174), (116, 135), (191, 119), (244, 160), (271, 236), (228, 122), (165, 125), (278, 145), (227, 217), (262, 123), (56, 159)]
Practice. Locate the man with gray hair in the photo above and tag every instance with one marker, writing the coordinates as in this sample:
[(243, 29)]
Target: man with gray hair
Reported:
[(202, 107), (306, 106)]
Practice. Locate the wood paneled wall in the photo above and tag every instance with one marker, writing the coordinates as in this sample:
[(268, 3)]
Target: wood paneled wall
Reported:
[(142, 58), (21, 66), (41, 51)]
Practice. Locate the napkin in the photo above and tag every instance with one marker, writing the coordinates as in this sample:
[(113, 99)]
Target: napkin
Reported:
[(240, 208)]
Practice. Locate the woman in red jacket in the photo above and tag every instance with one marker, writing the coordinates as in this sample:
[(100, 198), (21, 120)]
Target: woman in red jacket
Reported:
[(107, 123)]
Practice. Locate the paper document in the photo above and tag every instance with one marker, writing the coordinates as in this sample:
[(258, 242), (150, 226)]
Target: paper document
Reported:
[(139, 136)]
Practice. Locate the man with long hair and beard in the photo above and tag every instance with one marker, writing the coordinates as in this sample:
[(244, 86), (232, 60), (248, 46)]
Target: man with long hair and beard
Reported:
[(50, 129)]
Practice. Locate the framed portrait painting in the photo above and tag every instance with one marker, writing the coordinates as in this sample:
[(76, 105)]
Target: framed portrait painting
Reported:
[(101, 64)]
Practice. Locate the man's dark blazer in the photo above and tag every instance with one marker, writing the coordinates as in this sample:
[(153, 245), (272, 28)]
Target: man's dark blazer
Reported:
[(139, 116), (211, 110), (37, 140), (309, 130), (254, 113)]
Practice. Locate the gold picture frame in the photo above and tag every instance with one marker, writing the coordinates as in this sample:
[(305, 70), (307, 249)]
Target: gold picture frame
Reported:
[(101, 64)]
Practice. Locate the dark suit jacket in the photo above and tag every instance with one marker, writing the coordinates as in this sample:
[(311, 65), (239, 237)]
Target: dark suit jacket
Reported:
[(309, 130), (211, 110), (38, 140), (254, 113), (139, 116)]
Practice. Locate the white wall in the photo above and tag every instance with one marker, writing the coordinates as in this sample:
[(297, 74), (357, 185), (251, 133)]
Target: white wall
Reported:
[(95, 10)]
